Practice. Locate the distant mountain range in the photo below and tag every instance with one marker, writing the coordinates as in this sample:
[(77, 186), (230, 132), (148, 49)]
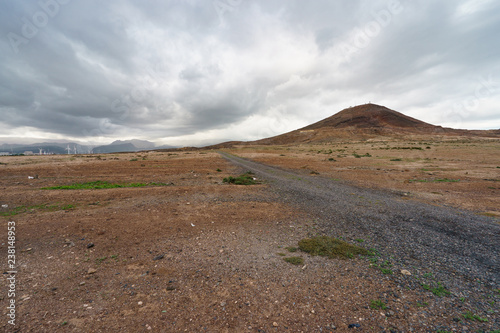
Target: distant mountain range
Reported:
[(77, 148), (362, 122)]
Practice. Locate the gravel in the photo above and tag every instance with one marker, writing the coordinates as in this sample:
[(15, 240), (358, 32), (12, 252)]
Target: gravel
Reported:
[(454, 247)]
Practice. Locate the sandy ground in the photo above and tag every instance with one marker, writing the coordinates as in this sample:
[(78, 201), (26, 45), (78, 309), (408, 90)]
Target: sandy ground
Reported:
[(202, 256)]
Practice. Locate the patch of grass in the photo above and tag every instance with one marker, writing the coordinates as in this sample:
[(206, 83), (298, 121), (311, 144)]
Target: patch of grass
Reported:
[(100, 260), (384, 266), (439, 290), (331, 159), (330, 247), (378, 304), (359, 240), (396, 159), (244, 179), (42, 207), (218, 170), (359, 156), (98, 185), (134, 159), (474, 317), (446, 180), (281, 254), (291, 249), (422, 305), (294, 260), (405, 148)]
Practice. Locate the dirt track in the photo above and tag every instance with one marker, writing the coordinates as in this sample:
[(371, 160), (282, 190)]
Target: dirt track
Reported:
[(457, 245)]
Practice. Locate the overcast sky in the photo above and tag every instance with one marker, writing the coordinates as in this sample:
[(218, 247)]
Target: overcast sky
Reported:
[(193, 72)]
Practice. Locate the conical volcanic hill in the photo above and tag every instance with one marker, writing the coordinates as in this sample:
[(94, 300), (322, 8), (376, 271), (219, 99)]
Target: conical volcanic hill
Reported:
[(365, 122)]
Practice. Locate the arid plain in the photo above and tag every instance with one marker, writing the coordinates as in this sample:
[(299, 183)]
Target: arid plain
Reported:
[(189, 252)]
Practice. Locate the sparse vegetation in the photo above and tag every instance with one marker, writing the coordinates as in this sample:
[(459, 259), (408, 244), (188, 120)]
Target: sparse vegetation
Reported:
[(378, 304), (402, 148), (294, 260), (396, 159), (42, 207), (422, 305), (359, 156), (292, 249), (98, 185), (439, 290), (244, 179), (474, 317), (330, 247)]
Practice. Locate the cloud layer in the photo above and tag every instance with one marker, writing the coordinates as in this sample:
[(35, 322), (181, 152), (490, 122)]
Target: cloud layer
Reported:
[(196, 72)]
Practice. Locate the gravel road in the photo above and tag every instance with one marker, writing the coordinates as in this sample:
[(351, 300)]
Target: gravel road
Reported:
[(460, 249)]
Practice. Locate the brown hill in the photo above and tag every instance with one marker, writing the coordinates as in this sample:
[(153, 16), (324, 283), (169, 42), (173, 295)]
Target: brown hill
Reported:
[(368, 121)]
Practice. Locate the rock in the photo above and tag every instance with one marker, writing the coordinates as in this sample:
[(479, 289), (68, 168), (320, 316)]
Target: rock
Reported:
[(159, 257), (405, 272), (92, 271), (275, 324), (90, 245), (354, 326)]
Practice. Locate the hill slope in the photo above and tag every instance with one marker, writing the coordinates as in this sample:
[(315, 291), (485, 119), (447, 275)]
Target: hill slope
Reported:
[(368, 121)]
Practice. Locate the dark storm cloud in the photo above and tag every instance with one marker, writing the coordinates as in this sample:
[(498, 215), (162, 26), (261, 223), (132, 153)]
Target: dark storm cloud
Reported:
[(218, 69)]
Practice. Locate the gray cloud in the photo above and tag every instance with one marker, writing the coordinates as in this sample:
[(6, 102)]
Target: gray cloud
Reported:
[(196, 71)]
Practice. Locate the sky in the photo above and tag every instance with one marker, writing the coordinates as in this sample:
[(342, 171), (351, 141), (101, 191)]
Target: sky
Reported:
[(196, 72)]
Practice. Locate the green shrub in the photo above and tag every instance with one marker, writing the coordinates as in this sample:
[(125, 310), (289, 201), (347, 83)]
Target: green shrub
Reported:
[(471, 316), (294, 260), (330, 247), (244, 179), (377, 304)]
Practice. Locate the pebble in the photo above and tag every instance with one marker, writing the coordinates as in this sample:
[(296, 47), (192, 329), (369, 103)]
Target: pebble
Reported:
[(275, 324), (405, 272), (159, 257), (354, 326), (90, 245), (92, 271)]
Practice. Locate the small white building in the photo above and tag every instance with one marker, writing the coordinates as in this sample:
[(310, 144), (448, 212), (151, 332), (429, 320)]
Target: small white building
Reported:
[(28, 152), (4, 153)]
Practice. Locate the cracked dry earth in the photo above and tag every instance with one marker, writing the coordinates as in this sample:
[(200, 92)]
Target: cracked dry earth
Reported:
[(199, 255)]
